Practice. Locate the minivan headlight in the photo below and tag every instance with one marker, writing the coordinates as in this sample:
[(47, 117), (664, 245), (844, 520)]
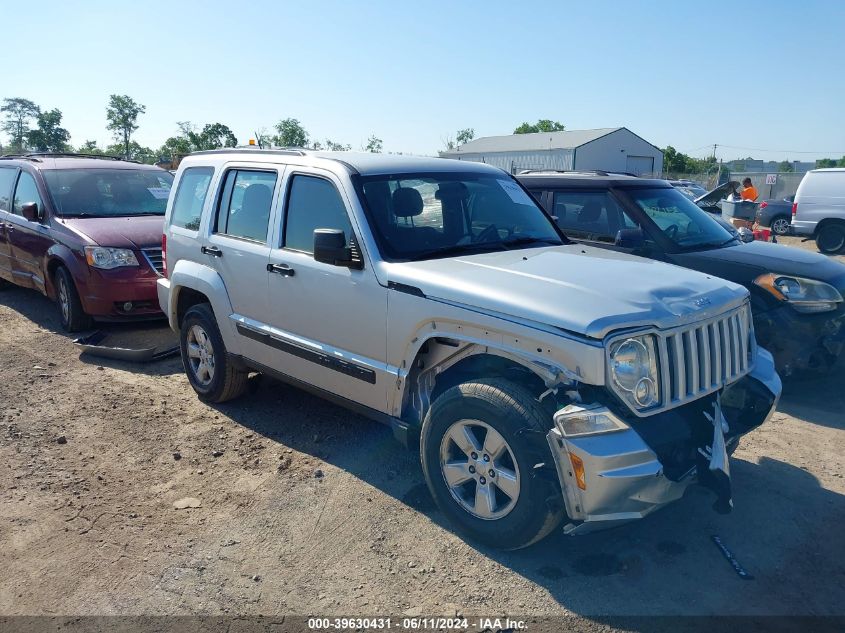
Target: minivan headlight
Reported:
[(805, 295), (633, 370), (107, 258)]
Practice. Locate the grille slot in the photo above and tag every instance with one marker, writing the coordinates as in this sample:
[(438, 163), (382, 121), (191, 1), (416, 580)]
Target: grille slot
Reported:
[(704, 358), (154, 258)]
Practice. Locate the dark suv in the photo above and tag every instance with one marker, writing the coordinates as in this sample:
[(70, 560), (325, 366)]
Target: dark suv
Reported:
[(85, 231), (796, 295)]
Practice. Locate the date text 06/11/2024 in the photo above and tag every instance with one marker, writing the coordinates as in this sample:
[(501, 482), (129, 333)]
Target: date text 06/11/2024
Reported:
[(414, 624)]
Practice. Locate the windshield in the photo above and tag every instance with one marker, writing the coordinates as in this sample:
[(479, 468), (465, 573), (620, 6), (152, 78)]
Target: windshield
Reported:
[(418, 216), (680, 220), (109, 192)]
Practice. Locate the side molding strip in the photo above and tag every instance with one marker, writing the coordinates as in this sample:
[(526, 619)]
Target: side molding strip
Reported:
[(334, 363)]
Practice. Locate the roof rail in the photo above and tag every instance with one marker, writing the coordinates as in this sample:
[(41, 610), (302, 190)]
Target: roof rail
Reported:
[(292, 151), (597, 172), (74, 155), (19, 157)]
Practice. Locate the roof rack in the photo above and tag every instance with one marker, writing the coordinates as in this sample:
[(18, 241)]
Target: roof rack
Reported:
[(596, 172), (35, 156), (287, 151)]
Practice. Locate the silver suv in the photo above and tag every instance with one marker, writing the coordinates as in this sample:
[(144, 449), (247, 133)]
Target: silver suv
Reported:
[(542, 380)]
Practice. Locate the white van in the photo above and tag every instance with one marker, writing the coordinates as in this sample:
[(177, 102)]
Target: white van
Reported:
[(819, 209)]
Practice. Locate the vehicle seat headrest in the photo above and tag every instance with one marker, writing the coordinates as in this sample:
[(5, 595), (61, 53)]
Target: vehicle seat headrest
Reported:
[(407, 202)]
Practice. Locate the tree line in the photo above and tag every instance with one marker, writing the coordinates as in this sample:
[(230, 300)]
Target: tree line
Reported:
[(31, 128)]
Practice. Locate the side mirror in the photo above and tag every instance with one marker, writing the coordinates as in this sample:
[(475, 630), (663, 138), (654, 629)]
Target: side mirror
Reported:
[(330, 248), (630, 238), (30, 212)]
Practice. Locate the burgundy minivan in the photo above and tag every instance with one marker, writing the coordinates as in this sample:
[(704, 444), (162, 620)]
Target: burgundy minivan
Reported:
[(86, 232)]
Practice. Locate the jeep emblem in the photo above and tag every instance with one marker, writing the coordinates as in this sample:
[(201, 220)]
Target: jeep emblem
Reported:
[(700, 303)]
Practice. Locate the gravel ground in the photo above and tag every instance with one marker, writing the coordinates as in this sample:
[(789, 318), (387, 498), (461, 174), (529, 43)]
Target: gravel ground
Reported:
[(295, 506)]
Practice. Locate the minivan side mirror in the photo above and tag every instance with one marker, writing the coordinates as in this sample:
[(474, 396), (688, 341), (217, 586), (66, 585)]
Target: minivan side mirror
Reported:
[(630, 238), (330, 248), (30, 212)]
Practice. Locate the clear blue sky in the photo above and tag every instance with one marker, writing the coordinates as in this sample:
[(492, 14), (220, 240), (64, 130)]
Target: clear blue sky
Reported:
[(765, 75)]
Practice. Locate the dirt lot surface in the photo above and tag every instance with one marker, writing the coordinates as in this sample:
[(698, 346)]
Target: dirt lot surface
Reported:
[(304, 508)]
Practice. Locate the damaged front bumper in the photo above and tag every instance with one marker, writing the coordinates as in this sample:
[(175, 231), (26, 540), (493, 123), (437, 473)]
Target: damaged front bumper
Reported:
[(634, 466)]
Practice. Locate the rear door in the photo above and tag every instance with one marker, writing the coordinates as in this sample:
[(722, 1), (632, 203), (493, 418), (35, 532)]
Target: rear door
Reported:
[(7, 183), (237, 245), (29, 241)]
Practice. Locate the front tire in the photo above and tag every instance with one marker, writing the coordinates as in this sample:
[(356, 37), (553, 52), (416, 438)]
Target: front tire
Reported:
[(480, 444), (71, 314), (204, 357), (831, 239)]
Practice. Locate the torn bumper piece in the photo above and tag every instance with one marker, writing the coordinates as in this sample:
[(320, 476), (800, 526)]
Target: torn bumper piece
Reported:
[(615, 469)]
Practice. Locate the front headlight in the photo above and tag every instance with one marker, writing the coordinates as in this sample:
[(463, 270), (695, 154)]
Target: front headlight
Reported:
[(633, 370), (107, 258), (805, 295)]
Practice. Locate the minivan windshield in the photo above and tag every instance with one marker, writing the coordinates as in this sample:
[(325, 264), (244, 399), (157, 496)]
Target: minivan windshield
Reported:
[(108, 192), (680, 219), (421, 216)]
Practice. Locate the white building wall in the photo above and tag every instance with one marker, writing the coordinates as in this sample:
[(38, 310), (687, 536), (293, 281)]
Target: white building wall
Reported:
[(512, 162), (611, 152)]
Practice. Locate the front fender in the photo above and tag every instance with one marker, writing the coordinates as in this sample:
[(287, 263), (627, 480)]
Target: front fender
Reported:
[(63, 255), (203, 279)]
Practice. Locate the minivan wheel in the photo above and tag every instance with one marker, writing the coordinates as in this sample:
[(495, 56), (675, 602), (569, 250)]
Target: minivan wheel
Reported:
[(71, 314), (207, 366), (480, 444), (780, 225), (831, 238)]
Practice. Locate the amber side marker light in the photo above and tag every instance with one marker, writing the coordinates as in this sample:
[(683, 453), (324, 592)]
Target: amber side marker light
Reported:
[(578, 469)]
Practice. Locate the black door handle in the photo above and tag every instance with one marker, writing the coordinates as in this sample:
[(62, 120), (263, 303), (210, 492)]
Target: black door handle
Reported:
[(211, 250), (281, 269)]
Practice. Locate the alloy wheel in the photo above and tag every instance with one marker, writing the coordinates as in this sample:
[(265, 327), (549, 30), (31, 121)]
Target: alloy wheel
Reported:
[(780, 226), (64, 300), (200, 355), (479, 469)]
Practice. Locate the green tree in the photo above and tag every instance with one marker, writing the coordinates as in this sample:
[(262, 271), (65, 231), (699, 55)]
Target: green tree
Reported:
[(122, 115), (136, 152), (543, 125), (374, 145), (90, 147), (785, 167), (825, 163), (290, 133), (19, 112), (49, 136), (332, 146), (465, 135)]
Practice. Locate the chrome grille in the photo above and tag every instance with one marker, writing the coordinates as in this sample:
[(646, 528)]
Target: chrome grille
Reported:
[(705, 357), (154, 258)]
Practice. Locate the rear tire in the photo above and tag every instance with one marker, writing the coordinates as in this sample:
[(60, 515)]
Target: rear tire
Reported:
[(830, 238), (780, 225), (204, 357), (503, 425), (71, 314)]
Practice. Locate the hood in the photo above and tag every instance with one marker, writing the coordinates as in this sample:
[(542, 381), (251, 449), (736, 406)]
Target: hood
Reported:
[(577, 288), (765, 257), (136, 232), (714, 196)]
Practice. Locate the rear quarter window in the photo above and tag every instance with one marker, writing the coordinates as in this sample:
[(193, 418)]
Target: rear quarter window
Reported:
[(190, 197)]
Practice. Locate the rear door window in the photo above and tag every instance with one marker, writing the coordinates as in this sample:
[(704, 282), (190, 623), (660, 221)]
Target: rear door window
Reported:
[(245, 203), (190, 197)]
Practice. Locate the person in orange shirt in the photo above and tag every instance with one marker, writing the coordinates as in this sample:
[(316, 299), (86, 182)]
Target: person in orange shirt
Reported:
[(749, 192)]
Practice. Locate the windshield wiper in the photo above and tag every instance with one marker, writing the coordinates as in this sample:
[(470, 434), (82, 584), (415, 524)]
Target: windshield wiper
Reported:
[(459, 249), (525, 241)]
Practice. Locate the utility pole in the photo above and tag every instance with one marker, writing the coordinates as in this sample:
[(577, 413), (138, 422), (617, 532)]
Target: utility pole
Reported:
[(714, 151)]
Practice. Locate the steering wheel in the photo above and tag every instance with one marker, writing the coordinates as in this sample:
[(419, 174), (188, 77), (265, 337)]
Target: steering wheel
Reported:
[(672, 231), (489, 234)]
